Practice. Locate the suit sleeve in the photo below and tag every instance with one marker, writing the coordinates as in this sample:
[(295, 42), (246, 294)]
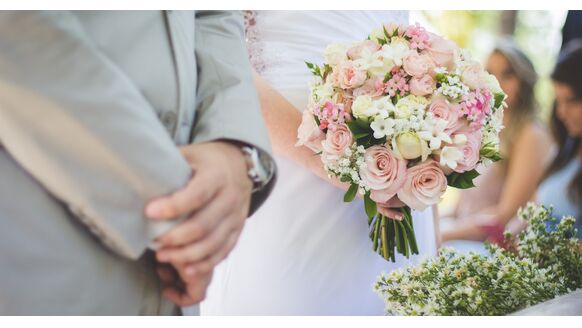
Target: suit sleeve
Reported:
[(228, 105), (80, 127)]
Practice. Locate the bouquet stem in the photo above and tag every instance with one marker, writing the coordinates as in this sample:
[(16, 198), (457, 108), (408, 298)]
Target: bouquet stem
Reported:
[(391, 236)]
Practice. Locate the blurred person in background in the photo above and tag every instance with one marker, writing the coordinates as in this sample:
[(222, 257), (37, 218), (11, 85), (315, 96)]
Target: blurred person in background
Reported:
[(482, 213), (562, 182)]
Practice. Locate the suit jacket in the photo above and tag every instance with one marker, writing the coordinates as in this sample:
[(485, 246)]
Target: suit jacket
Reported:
[(92, 108)]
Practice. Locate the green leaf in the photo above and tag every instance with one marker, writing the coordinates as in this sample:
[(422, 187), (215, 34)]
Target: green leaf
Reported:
[(490, 152), (370, 206), (499, 97), (386, 33), (315, 70), (441, 78), (462, 180), (326, 70), (351, 193), (317, 120), (359, 128)]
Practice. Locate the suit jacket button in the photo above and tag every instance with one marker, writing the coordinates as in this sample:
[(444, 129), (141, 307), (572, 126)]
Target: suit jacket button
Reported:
[(169, 119)]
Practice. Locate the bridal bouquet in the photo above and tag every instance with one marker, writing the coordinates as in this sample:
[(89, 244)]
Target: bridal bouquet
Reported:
[(539, 265), (398, 117)]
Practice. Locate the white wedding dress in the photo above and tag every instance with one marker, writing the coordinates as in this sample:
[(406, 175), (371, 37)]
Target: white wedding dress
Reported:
[(305, 252)]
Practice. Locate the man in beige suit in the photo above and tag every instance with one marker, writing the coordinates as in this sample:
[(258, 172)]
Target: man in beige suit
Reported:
[(122, 133)]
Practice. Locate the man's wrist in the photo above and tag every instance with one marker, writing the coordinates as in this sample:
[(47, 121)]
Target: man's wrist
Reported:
[(260, 167)]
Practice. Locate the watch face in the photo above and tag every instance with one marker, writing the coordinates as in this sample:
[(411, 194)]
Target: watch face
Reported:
[(261, 166)]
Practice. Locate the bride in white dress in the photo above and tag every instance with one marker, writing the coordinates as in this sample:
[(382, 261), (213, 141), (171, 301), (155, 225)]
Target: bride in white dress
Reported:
[(305, 252)]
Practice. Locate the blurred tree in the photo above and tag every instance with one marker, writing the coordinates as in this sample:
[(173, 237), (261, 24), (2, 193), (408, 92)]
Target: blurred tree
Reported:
[(508, 22)]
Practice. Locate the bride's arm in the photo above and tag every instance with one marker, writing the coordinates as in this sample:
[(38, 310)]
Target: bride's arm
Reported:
[(282, 120)]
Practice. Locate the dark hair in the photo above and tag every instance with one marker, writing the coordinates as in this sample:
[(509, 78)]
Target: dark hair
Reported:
[(568, 71)]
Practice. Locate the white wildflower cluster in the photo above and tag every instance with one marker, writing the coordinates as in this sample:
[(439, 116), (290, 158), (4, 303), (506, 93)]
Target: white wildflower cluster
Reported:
[(556, 249), (539, 266), (464, 284), (347, 167), (321, 92), (452, 87)]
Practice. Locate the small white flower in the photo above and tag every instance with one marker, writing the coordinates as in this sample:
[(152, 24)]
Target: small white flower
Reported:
[(383, 107), (450, 156), (460, 139), (440, 70), (377, 63), (396, 50), (435, 135), (383, 127)]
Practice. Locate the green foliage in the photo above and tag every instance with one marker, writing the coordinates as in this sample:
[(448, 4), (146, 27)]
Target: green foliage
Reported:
[(462, 180), (351, 193), (539, 265), (364, 134)]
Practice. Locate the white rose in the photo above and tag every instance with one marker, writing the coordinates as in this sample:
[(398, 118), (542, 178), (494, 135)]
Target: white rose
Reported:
[(323, 92), (377, 34), (363, 107), (380, 64), (335, 53), (408, 145), (409, 105)]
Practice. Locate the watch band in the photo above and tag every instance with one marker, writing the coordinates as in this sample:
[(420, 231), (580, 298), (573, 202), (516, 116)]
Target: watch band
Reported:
[(259, 169)]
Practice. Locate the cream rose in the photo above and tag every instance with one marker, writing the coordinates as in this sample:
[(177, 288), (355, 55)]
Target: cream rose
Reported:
[(408, 145), (383, 173), (406, 106), (335, 53), (362, 107), (424, 186)]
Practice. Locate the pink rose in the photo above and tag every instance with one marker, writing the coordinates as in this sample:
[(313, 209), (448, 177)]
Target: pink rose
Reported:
[(424, 186), (372, 87), (338, 139), (417, 65), (308, 133), (384, 173), (349, 76), (441, 108), (471, 152), (422, 86), (356, 51), (442, 51), (474, 76)]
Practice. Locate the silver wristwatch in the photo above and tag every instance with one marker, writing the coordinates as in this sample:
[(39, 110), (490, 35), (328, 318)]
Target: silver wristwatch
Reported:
[(260, 167)]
